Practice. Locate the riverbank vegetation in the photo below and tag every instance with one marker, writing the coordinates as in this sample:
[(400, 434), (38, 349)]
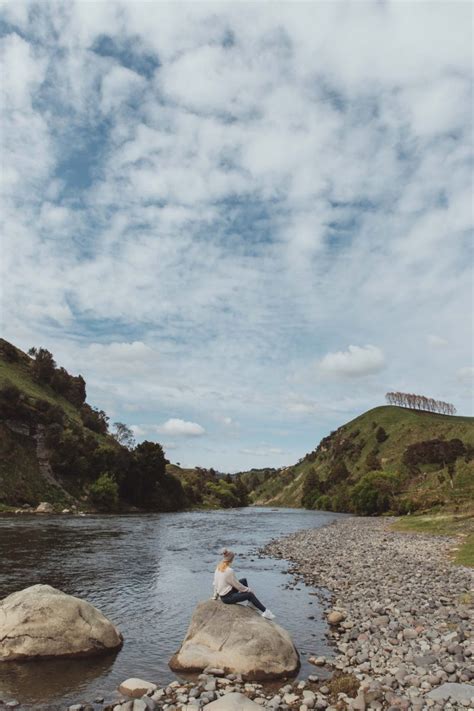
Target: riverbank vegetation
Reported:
[(56, 447)]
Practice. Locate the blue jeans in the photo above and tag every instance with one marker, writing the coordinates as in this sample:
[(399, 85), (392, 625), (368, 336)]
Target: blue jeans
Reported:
[(235, 596)]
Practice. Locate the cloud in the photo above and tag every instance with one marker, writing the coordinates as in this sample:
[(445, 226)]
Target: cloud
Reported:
[(356, 362), (263, 451), (437, 341), (197, 205), (182, 428)]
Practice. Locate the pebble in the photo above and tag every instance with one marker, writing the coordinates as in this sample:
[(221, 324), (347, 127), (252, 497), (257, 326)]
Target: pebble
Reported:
[(396, 616)]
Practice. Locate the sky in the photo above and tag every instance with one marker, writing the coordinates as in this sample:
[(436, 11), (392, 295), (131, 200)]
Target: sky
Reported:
[(242, 223)]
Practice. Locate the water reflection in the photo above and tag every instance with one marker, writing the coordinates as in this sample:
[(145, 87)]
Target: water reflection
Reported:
[(40, 681)]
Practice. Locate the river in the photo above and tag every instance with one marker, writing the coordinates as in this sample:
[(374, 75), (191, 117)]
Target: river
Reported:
[(146, 573)]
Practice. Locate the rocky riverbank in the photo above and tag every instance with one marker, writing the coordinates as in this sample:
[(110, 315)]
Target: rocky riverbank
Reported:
[(405, 628)]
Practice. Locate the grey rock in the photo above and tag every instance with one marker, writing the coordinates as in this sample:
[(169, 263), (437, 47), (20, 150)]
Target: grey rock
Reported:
[(458, 692)]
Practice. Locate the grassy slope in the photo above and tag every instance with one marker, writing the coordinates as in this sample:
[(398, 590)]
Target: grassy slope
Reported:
[(404, 427), (19, 374), (461, 526)]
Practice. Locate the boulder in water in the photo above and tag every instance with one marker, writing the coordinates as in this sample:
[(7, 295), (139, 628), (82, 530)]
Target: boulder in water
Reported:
[(238, 640), (44, 507), (41, 621)]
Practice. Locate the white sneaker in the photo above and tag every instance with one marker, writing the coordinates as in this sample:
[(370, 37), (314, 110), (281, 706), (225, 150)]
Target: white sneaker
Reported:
[(268, 614)]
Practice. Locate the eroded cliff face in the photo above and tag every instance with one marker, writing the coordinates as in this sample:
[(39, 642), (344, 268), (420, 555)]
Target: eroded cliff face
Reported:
[(26, 475)]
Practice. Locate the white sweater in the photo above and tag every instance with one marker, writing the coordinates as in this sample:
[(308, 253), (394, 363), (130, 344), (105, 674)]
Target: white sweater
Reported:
[(225, 581)]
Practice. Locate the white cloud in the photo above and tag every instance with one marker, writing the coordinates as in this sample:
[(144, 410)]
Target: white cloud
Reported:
[(437, 341), (357, 361), (177, 427), (218, 217), (263, 451)]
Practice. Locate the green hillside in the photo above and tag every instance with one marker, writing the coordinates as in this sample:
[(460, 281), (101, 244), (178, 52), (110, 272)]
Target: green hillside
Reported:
[(55, 447), (389, 458), (209, 489)]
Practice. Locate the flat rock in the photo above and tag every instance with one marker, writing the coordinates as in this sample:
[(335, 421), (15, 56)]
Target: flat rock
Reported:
[(136, 688), (234, 701), (237, 640), (41, 621), (458, 692)]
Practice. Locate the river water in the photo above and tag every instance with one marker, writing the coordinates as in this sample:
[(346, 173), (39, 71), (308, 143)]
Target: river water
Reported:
[(146, 573)]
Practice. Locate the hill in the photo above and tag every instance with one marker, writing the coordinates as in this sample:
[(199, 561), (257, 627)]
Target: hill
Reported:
[(209, 489), (389, 458), (55, 447)]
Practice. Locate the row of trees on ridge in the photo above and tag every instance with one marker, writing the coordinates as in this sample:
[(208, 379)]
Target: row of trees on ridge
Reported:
[(420, 402)]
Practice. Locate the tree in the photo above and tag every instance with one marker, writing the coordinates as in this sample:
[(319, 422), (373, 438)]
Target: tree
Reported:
[(381, 435), (104, 492), (148, 470), (339, 472), (310, 488), (420, 402), (374, 492), (43, 365), (123, 435), (96, 420)]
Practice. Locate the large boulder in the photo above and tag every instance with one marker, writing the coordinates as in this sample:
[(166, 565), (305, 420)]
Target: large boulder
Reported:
[(44, 507), (238, 640), (41, 621)]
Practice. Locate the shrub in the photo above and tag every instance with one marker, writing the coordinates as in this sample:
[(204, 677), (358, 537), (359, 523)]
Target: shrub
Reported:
[(434, 451), (374, 493), (43, 365), (338, 473), (372, 461), (381, 435), (94, 419), (323, 503), (104, 492)]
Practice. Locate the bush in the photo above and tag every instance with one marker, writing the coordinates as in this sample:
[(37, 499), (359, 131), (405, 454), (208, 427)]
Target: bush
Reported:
[(94, 419), (43, 365), (104, 492), (381, 435), (434, 451), (372, 461), (374, 493), (323, 503)]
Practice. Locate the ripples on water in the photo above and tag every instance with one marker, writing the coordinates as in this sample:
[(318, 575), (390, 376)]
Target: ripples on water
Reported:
[(145, 573)]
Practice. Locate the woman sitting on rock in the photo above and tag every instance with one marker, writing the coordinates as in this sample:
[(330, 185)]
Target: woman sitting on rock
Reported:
[(230, 590)]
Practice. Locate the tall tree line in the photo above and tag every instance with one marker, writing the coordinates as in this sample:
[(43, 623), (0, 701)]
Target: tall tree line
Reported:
[(420, 402)]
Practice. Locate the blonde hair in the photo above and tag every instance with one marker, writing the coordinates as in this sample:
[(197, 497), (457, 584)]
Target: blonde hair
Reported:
[(228, 557)]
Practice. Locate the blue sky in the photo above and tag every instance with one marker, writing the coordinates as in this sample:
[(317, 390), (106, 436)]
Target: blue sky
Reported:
[(241, 228)]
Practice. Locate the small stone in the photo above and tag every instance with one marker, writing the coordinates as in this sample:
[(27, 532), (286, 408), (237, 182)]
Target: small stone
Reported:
[(335, 617)]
